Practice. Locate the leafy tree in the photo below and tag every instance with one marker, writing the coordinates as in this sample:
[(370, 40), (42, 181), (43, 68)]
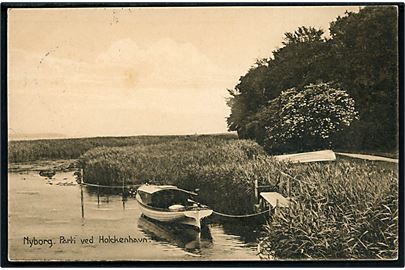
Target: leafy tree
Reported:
[(296, 64), (360, 56), (364, 46), (301, 61), (306, 119), (246, 98)]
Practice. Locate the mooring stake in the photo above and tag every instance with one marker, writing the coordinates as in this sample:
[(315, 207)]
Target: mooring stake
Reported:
[(123, 191), (81, 192), (98, 194)]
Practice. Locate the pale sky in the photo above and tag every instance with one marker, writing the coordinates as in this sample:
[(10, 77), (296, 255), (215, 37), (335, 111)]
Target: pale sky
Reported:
[(135, 71)]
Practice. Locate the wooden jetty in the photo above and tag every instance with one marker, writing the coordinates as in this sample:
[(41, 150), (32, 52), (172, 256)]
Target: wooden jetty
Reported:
[(268, 199), (273, 201)]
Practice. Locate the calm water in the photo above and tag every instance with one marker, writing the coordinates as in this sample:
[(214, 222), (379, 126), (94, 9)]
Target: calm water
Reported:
[(45, 222)]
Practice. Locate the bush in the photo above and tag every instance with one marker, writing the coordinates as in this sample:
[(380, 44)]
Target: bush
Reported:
[(306, 119)]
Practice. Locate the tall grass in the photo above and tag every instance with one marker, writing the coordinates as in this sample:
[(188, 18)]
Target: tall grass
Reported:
[(220, 169), (341, 210), (23, 151)]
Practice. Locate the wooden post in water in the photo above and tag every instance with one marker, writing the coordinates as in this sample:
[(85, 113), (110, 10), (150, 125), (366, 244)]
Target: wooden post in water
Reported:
[(123, 191), (81, 192), (98, 194)]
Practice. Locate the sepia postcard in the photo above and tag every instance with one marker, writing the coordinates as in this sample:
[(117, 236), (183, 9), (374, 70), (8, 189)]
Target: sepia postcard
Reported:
[(203, 133)]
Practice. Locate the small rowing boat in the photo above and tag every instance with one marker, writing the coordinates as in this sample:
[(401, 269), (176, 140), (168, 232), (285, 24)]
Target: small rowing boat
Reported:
[(316, 156), (171, 204)]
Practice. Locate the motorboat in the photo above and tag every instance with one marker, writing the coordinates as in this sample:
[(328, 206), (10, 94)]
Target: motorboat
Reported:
[(167, 203)]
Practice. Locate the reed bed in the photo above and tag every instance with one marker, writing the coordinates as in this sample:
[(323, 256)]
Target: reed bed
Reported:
[(32, 150), (221, 169), (346, 209), (342, 210)]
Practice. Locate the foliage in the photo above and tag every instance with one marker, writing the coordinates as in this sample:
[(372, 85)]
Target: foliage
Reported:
[(360, 56), (289, 67), (342, 210), (307, 119), (365, 44)]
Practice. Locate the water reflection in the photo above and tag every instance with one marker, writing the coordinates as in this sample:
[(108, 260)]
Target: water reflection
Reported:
[(47, 208), (238, 236), (182, 236), (178, 235), (82, 201), (247, 231), (102, 191), (103, 194)]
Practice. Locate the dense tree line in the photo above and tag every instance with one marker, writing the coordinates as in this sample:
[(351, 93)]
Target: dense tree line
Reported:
[(360, 56)]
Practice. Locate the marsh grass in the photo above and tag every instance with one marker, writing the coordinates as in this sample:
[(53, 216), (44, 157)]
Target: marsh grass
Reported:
[(346, 209), (342, 210), (223, 170), (46, 149)]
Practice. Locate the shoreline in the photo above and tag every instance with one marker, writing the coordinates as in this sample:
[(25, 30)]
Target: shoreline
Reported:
[(57, 165)]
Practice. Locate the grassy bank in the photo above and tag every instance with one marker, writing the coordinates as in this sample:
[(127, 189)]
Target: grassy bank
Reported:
[(346, 209), (57, 165)]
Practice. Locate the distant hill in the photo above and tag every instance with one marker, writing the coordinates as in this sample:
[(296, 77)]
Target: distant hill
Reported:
[(34, 136)]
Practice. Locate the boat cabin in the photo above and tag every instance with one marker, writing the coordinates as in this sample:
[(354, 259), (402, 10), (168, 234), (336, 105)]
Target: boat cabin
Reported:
[(166, 197)]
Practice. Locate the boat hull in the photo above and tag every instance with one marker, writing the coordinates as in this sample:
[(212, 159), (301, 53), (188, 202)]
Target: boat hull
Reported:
[(189, 217)]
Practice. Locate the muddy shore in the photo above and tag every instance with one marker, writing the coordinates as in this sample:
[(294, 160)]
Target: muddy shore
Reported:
[(59, 165)]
